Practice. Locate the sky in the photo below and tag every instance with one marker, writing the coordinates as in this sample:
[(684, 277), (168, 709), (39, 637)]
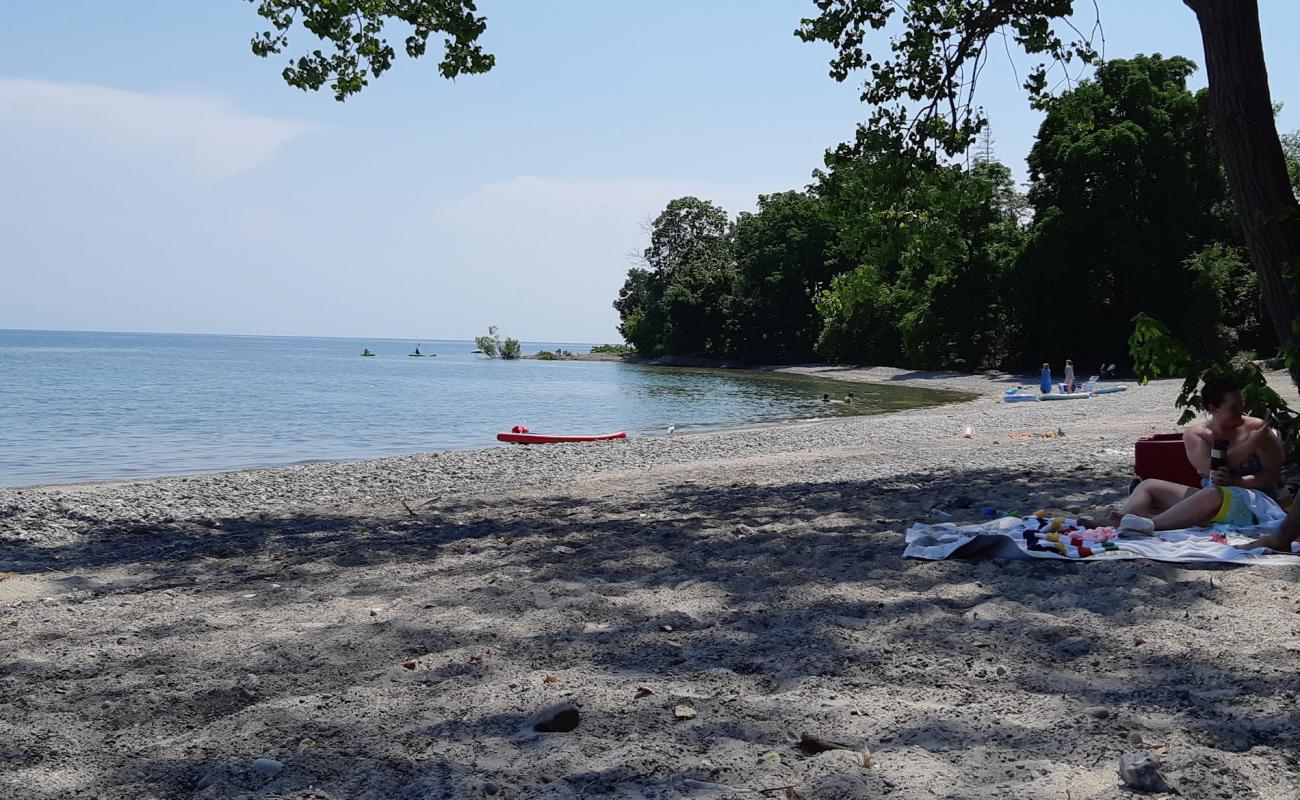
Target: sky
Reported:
[(156, 176)]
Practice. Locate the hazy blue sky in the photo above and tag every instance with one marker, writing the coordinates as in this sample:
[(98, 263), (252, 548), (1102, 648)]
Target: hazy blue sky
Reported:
[(158, 177)]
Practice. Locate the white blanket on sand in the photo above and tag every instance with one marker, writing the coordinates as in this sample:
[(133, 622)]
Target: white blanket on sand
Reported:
[(1006, 539)]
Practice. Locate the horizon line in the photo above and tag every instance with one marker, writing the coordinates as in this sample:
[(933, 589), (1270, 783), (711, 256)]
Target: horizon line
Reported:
[(281, 336)]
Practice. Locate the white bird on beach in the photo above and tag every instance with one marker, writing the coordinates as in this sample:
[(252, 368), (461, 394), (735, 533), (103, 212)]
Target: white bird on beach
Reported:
[(671, 428)]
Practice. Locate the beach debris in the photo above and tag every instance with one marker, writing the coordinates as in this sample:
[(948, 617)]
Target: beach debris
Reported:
[(410, 663), (772, 756), (1141, 771), (812, 745), (683, 711), (1097, 712), (666, 628), (550, 679), (248, 686), (644, 691), (968, 432), (267, 766), (742, 529), (559, 718), (939, 512), (962, 501), (374, 612), (4, 576), (13, 623)]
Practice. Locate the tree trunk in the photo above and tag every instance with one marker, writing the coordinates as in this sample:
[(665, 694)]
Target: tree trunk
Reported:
[(1246, 135)]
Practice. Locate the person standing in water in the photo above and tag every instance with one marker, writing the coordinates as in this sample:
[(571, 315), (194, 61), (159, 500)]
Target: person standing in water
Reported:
[(1069, 376)]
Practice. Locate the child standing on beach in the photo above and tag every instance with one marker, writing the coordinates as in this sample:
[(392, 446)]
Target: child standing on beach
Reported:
[(1069, 376)]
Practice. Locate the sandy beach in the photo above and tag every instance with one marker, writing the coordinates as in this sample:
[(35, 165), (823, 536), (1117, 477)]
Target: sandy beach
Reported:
[(392, 628)]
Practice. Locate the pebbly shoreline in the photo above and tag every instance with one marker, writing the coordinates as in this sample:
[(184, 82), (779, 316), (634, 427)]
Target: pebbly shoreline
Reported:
[(59, 514), (397, 628)]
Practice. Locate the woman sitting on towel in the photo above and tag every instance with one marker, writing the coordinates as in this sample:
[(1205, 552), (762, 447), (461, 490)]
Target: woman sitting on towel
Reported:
[(1238, 494)]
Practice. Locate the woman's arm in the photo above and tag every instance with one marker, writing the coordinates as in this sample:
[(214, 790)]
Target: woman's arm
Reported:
[(1268, 449), (1198, 449)]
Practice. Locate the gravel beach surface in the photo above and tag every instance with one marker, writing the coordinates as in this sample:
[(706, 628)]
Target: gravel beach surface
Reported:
[(653, 618)]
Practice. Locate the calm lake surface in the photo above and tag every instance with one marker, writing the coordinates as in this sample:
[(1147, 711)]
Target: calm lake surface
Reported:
[(77, 406)]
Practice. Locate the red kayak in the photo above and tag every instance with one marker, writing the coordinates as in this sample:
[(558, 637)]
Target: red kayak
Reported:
[(540, 438)]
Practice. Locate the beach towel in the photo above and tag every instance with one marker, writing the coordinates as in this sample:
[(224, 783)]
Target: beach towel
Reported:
[(1059, 538)]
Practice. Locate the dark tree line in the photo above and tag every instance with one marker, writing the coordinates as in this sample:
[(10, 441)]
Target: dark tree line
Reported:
[(921, 89), (891, 257)]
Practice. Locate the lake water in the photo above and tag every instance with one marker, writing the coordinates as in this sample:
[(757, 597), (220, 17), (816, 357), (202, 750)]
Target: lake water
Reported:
[(78, 406)]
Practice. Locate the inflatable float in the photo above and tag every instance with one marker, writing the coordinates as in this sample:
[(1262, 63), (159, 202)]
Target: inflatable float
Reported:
[(541, 438)]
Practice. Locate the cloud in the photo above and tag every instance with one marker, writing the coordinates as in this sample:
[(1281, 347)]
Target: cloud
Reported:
[(204, 137)]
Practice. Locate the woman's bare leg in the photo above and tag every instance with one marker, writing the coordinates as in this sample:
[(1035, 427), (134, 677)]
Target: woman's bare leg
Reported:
[(1154, 495), (1197, 509)]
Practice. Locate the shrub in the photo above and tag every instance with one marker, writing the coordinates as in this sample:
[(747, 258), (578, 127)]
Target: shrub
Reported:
[(490, 344)]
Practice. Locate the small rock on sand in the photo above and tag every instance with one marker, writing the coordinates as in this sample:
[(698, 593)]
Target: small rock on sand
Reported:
[(1141, 771), (267, 766), (559, 718)]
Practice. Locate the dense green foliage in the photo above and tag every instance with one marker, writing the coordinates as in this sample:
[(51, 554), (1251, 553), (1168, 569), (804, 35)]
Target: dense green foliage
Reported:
[(783, 259), (616, 349), (929, 247), (353, 32), (678, 303), (1131, 154), (510, 349), (895, 258), (923, 60)]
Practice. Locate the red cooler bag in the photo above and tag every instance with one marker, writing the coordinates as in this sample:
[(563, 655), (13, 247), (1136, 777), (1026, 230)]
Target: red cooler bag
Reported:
[(1164, 456)]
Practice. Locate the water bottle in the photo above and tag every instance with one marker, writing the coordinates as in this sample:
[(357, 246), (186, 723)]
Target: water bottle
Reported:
[(1218, 454)]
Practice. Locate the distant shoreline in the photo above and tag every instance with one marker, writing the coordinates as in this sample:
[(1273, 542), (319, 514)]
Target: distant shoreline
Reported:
[(986, 383)]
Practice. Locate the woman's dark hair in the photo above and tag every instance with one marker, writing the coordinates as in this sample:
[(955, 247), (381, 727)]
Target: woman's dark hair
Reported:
[(1216, 389)]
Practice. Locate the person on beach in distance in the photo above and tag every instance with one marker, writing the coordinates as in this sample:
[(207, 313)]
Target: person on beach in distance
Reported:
[(1237, 486), (1045, 384), (1069, 376), (826, 398), (848, 398)]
